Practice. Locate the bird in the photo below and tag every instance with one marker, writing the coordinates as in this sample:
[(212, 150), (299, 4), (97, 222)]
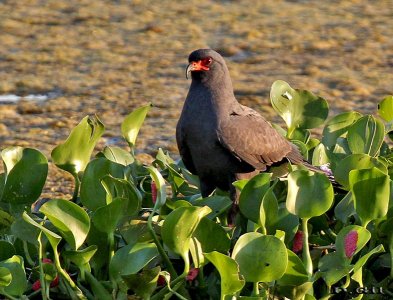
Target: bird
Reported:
[(221, 140)]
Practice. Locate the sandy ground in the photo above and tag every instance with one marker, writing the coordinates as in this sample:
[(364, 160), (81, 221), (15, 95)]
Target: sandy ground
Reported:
[(109, 57)]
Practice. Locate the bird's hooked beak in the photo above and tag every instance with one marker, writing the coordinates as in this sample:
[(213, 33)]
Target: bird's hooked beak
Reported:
[(195, 66)]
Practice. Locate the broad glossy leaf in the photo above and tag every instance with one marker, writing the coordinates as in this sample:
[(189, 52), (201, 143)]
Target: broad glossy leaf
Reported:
[(252, 194), (160, 184), (212, 236), (309, 194), (385, 108), (99, 239), (345, 208), (7, 250), (268, 211), (218, 204), (20, 187), (131, 259), (135, 231), (121, 188), (260, 257), (93, 194), (231, 281), (53, 238), (81, 257), (179, 227), (144, 283), (295, 273), (18, 284), (320, 156), (69, 218), (117, 155), (5, 277), (371, 190), (366, 135), (107, 217), (363, 236), (338, 126), (355, 161), (74, 154), (361, 262), (298, 108), (133, 122), (285, 221), (332, 268)]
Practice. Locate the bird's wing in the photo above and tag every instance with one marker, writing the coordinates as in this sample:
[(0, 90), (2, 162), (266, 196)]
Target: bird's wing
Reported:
[(252, 139), (183, 150)]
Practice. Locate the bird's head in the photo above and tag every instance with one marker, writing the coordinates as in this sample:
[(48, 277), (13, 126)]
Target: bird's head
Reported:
[(206, 65)]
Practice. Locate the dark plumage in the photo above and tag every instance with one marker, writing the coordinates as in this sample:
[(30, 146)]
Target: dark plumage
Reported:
[(219, 139)]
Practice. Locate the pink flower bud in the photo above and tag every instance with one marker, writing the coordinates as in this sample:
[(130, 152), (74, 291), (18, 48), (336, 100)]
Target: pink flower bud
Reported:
[(298, 242), (153, 192), (192, 274), (350, 242)]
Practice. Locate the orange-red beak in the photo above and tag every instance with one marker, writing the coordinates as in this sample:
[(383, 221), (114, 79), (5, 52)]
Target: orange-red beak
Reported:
[(195, 66)]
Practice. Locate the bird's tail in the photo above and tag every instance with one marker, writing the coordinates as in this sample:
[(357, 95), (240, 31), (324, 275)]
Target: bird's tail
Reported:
[(325, 169)]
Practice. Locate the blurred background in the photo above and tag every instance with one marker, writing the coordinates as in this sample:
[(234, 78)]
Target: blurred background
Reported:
[(62, 60)]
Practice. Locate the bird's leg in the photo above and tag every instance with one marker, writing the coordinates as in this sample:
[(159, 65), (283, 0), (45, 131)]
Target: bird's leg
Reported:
[(206, 187)]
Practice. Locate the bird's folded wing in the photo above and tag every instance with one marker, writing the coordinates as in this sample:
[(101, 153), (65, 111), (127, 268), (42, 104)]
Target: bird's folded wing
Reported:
[(252, 139)]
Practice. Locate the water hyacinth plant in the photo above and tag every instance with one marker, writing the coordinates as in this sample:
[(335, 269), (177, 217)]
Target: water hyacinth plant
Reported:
[(144, 232)]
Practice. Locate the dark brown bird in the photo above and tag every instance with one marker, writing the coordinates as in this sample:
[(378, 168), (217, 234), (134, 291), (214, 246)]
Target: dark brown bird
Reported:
[(219, 139)]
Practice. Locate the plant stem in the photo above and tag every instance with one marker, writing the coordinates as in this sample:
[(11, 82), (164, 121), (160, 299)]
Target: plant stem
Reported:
[(165, 290), (160, 249), (255, 290), (306, 250), (42, 275), (76, 189), (27, 254)]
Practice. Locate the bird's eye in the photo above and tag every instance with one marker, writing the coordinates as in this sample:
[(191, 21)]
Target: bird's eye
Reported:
[(207, 61)]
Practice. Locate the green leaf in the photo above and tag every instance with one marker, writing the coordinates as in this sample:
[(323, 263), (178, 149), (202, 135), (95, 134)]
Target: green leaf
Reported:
[(252, 194), (337, 127), (179, 227), (320, 156), (295, 273), (160, 184), (212, 236), (268, 211), (121, 188), (363, 237), (131, 259), (345, 208), (298, 108), (332, 268), (260, 257), (144, 283), (18, 284), (74, 154), (366, 135), (231, 281), (107, 217), (218, 204), (385, 108), (309, 194), (69, 218), (5, 277), (20, 188), (7, 250), (81, 257), (361, 262), (133, 122), (355, 161), (53, 238), (371, 190), (117, 155), (93, 194)]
